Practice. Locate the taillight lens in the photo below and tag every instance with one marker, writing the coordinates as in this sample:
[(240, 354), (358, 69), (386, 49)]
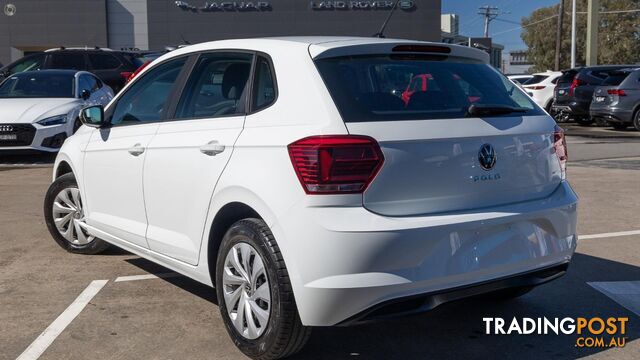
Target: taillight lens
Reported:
[(560, 147), (535, 87), (138, 70), (125, 74), (574, 84), (618, 92), (336, 164)]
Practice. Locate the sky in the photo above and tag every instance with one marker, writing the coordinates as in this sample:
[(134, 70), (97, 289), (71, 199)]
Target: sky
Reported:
[(472, 24)]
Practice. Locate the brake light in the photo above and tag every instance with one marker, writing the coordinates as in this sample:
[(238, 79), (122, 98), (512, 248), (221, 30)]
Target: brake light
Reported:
[(336, 164), (125, 74), (138, 70), (574, 84), (560, 148), (535, 87), (618, 92)]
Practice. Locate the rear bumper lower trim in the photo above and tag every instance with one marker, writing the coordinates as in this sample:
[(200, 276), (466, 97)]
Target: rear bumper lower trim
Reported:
[(428, 301)]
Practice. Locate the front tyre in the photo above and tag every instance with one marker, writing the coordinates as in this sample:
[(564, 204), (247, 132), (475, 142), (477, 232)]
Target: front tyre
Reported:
[(254, 293), (65, 218)]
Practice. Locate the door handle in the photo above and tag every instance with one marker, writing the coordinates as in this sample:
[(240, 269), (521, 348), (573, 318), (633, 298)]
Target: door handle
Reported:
[(212, 148), (136, 150)]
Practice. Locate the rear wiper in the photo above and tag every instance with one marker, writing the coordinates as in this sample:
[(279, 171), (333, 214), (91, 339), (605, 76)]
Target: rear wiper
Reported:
[(489, 109)]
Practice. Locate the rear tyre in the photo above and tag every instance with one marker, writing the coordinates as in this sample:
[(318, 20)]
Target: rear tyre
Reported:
[(636, 120), (619, 125), (65, 218), (254, 293)]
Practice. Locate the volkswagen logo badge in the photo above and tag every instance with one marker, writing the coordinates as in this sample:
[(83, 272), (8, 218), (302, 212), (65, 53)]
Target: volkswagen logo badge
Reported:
[(6, 128), (487, 156), (9, 9)]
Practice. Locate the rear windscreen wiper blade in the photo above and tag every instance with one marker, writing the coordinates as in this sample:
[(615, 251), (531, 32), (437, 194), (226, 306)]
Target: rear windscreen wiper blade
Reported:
[(489, 109)]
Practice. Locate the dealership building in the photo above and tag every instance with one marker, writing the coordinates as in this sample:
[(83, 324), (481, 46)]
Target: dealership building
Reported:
[(35, 25)]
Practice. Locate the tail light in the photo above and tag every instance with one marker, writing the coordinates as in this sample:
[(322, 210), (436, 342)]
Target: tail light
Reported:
[(535, 87), (618, 92), (336, 164), (138, 70), (574, 84), (560, 148), (125, 75)]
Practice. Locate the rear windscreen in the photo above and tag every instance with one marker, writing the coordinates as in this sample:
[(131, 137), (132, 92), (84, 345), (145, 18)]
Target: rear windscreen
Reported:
[(536, 79), (615, 79), (411, 87), (567, 77)]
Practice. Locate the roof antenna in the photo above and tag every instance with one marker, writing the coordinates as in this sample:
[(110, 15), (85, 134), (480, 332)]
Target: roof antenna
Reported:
[(184, 41), (380, 34)]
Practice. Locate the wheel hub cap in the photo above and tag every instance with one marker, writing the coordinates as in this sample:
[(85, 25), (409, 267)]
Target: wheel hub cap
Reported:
[(68, 216), (247, 295)]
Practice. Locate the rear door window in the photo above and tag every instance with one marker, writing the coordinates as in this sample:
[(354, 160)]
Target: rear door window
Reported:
[(363, 90), (104, 62), (264, 92), (71, 61), (216, 86)]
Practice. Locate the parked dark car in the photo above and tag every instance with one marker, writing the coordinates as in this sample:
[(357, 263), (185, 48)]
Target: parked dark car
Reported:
[(112, 67), (574, 92), (617, 100)]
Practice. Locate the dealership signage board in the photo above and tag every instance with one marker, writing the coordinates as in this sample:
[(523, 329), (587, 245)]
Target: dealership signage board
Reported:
[(211, 6)]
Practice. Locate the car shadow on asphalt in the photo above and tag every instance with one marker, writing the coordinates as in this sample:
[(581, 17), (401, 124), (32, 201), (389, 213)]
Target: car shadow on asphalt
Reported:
[(456, 330)]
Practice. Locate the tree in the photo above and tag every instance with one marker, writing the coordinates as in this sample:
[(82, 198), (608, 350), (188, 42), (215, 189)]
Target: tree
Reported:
[(618, 37)]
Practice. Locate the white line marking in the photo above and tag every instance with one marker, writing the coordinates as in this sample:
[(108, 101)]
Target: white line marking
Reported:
[(146, 277), (611, 234), (39, 345)]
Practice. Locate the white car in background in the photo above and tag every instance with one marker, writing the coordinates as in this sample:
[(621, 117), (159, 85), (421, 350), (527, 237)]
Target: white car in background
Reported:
[(40, 109), (541, 86), (288, 174)]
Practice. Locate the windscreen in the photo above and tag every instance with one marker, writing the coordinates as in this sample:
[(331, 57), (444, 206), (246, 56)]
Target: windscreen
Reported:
[(38, 85), (416, 87)]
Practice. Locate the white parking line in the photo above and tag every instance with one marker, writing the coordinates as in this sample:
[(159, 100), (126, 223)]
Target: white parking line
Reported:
[(611, 234), (146, 277), (39, 345)]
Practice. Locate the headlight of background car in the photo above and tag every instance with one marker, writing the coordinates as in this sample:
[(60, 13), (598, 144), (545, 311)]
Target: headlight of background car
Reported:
[(54, 120)]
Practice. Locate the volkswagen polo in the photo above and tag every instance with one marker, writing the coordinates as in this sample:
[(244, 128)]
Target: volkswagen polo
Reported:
[(290, 175)]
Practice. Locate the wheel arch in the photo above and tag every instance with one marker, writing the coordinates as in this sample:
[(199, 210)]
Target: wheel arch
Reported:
[(225, 217)]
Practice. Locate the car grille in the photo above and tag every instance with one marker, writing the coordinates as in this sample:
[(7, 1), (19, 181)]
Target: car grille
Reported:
[(24, 132)]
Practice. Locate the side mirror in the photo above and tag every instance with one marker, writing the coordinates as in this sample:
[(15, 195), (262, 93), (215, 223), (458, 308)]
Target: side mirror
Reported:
[(85, 94), (93, 116)]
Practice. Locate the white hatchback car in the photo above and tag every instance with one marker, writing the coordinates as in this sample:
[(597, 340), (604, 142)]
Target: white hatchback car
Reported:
[(289, 174), (40, 109), (541, 86)]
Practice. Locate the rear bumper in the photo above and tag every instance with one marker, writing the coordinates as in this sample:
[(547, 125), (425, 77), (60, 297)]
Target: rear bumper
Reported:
[(429, 301), (573, 108), (612, 114), (344, 261)]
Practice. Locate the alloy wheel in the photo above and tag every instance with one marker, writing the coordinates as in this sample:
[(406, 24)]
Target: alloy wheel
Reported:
[(69, 218), (246, 290)]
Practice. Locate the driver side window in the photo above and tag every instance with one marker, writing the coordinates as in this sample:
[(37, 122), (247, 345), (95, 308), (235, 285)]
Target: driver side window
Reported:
[(145, 101)]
